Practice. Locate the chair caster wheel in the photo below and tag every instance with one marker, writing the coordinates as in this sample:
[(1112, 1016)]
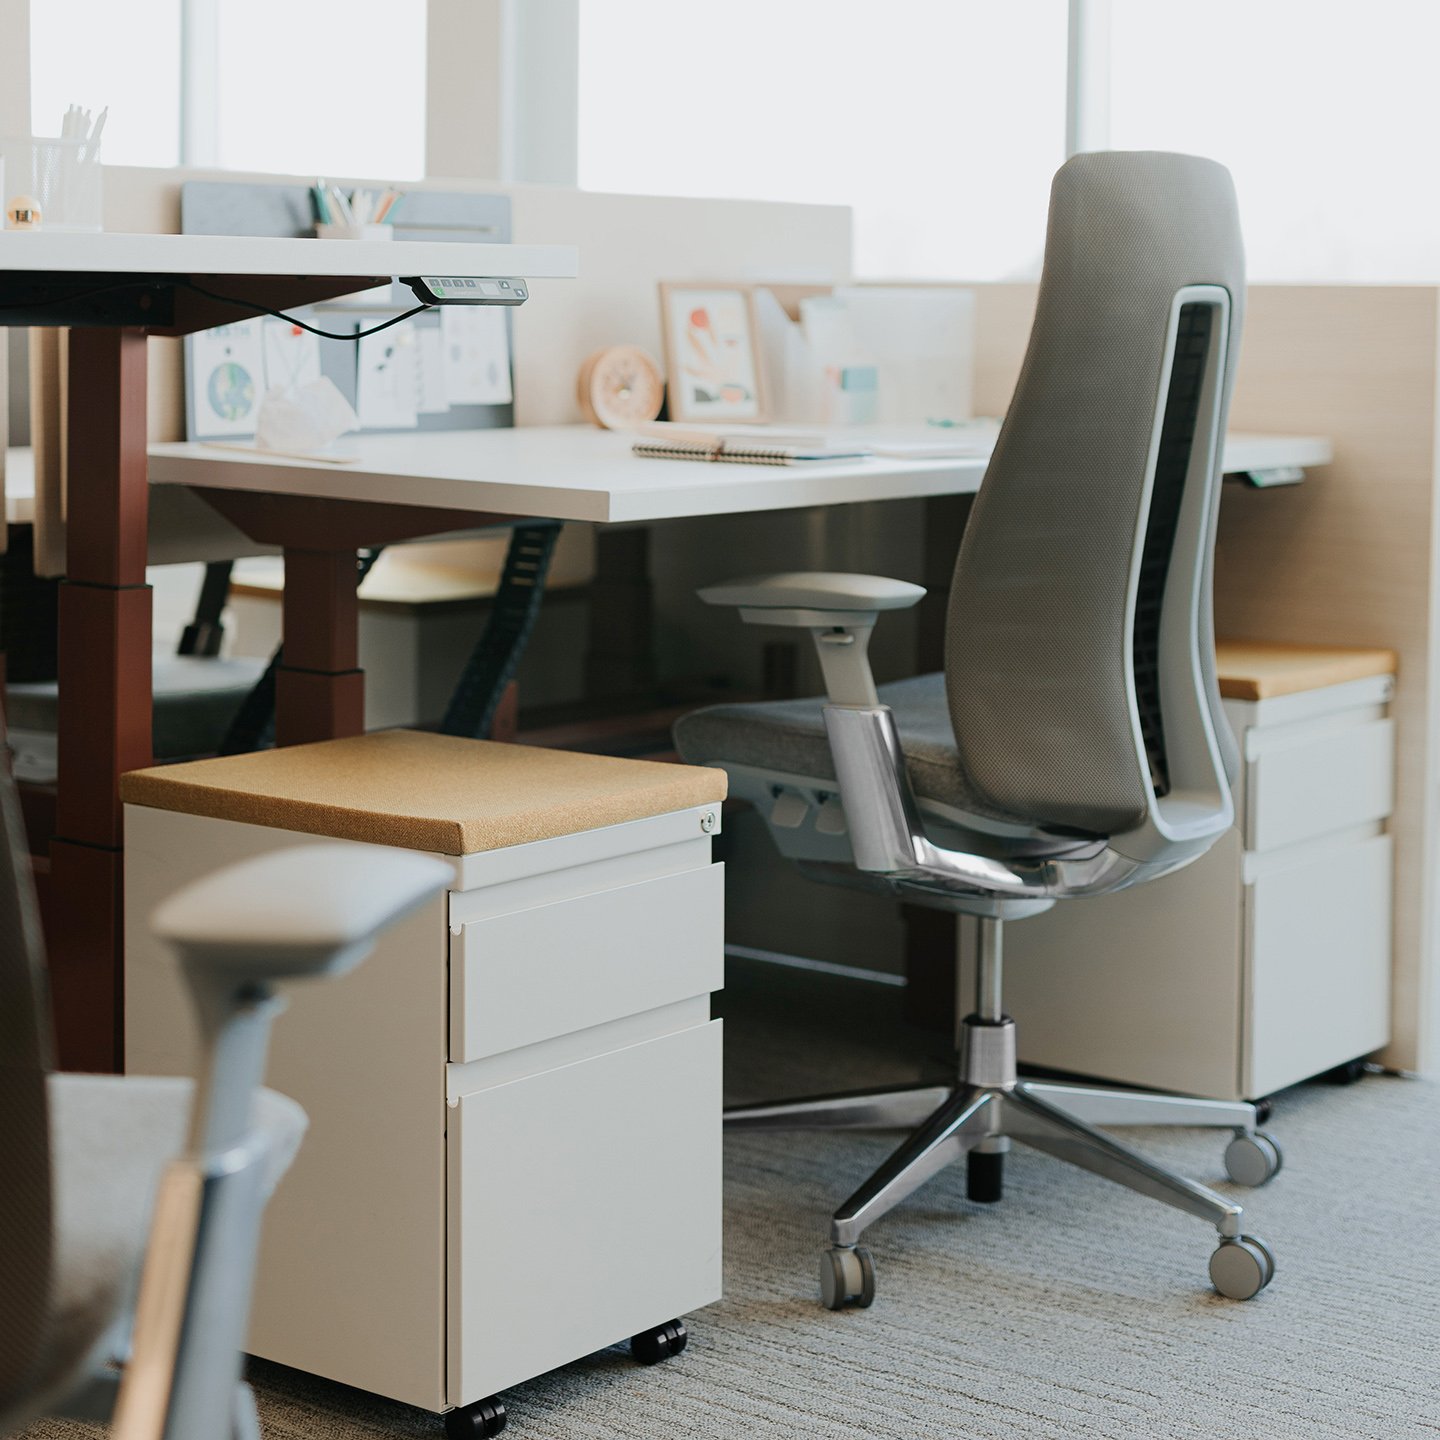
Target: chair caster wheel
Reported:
[(1241, 1268), (1253, 1159), (476, 1422), (847, 1277), (650, 1347)]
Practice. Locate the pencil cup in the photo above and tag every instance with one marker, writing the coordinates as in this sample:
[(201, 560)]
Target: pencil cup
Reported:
[(324, 231), (59, 182)]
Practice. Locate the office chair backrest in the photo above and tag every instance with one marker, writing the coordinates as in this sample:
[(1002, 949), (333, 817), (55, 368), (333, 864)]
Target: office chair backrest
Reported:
[(1080, 643), (25, 1215)]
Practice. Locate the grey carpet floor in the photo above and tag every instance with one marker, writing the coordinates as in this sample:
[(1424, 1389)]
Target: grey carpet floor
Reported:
[(1072, 1309)]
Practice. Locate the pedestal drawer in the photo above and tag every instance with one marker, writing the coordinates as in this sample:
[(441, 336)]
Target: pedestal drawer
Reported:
[(1312, 785), (584, 1206), (550, 969), (1319, 981)]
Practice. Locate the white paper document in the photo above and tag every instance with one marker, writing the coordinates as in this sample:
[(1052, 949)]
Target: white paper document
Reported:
[(477, 355), (227, 379), (923, 341), (292, 356), (387, 383), (432, 391)]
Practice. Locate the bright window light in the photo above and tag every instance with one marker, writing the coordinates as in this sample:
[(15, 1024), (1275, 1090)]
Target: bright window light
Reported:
[(1325, 112), (323, 87), (95, 53), (939, 121)]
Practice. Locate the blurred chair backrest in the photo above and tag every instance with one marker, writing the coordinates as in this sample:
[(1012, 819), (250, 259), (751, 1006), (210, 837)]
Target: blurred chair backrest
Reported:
[(25, 1183), (1080, 643)]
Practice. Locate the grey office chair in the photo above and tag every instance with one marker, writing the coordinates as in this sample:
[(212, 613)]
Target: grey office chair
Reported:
[(1075, 743), (89, 1158)]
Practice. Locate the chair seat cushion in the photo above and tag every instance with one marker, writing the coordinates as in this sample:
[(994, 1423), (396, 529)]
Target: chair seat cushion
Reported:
[(111, 1136), (196, 698), (788, 736)]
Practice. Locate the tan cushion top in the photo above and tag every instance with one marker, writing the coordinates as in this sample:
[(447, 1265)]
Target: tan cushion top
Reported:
[(425, 792), (1259, 670)]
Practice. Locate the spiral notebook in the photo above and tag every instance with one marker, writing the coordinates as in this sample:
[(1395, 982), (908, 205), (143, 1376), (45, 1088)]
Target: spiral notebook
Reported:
[(760, 445)]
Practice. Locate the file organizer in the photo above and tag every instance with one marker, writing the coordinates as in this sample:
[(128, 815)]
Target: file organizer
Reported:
[(515, 1107)]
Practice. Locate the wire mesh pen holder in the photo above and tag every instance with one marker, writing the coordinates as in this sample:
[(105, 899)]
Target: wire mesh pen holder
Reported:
[(62, 178)]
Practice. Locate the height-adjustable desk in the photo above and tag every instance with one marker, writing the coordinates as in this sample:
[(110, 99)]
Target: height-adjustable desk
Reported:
[(404, 486), (114, 290), (407, 485), (462, 479)]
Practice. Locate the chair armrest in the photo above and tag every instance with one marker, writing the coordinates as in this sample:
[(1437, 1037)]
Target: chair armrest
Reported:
[(310, 910), (839, 611), (786, 597)]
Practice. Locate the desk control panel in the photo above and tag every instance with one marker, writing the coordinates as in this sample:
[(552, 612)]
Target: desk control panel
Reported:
[(467, 290)]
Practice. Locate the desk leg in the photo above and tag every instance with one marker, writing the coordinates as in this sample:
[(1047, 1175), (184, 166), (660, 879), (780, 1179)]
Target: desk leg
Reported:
[(105, 702), (320, 688)]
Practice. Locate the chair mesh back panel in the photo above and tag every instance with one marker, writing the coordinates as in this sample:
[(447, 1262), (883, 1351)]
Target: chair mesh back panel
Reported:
[(1177, 433), (25, 1239), (1036, 656)]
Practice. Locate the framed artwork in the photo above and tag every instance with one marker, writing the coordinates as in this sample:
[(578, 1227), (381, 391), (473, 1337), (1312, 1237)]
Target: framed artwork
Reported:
[(712, 352)]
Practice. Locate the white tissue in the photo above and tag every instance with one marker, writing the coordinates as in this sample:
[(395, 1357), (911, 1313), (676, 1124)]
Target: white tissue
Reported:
[(304, 418)]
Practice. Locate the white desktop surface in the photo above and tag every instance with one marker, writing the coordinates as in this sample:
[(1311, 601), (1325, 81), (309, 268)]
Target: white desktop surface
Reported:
[(576, 472), (79, 252)]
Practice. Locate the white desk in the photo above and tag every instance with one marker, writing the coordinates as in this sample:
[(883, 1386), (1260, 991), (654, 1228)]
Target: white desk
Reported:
[(576, 472), (122, 258), (114, 290), (404, 486)]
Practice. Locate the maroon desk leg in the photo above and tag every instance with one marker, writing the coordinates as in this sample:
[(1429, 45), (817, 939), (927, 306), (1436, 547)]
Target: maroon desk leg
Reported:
[(320, 688), (105, 702)]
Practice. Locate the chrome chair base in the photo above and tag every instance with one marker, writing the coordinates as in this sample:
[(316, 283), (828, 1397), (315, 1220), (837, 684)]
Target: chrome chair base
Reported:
[(988, 1109)]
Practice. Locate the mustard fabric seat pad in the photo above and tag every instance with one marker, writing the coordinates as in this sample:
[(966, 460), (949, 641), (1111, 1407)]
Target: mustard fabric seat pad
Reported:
[(439, 793)]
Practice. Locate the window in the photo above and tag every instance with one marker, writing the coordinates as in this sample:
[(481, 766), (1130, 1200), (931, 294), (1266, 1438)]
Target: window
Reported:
[(133, 68), (939, 121), (1327, 122), (325, 87)]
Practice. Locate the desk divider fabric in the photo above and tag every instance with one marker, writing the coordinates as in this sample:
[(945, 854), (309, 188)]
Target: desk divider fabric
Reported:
[(439, 793)]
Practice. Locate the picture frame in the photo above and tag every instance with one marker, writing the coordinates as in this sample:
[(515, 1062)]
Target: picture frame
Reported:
[(714, 366)]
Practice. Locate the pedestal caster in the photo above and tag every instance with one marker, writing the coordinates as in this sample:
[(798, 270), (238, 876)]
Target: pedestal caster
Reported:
[(650, 1347), (476, 1422), (847, 1277), (1241, 1268), (1346, 1074)]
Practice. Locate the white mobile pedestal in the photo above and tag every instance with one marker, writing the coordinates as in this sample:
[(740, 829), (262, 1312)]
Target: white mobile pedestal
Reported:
[(1267, 961), (514, 1152)]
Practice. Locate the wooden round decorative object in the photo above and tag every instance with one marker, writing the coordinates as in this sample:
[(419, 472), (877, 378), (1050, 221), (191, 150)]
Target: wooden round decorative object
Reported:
[(620, 386)]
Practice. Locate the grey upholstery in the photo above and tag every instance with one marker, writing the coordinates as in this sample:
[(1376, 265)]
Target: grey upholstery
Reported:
[(1080, 689), (79, 1158), (1035, 643), (1060, 708), (196, 698), (112, 1136), (788, 736)]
